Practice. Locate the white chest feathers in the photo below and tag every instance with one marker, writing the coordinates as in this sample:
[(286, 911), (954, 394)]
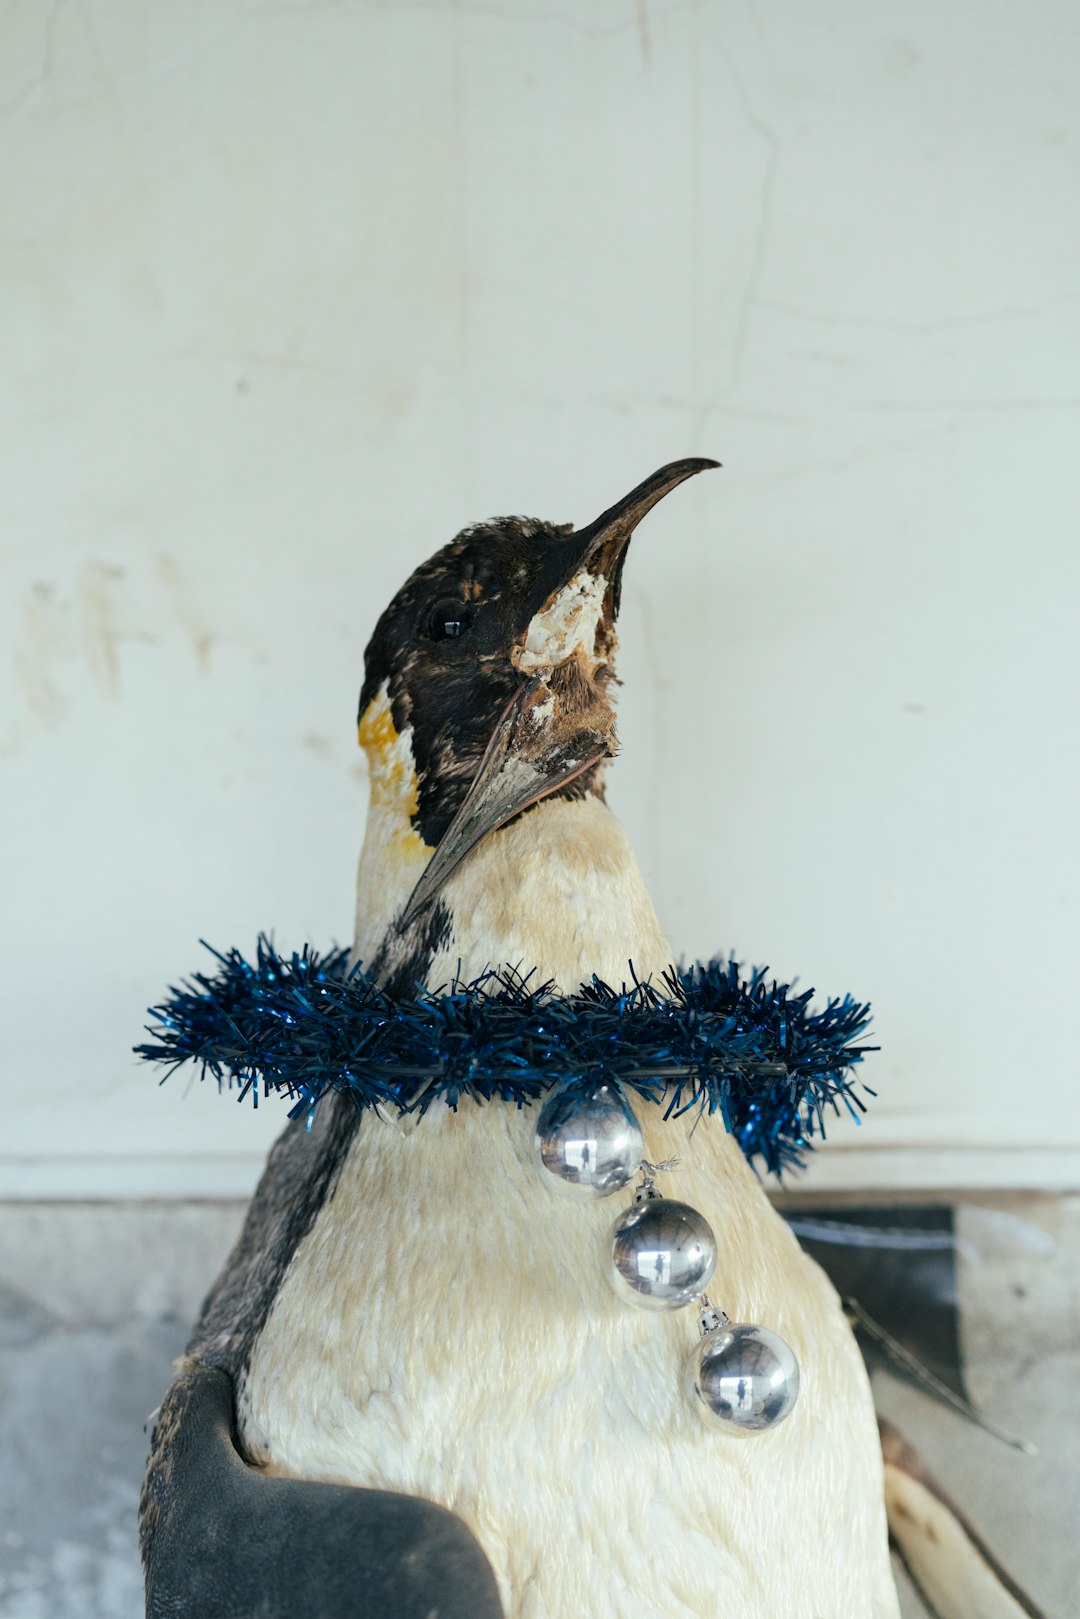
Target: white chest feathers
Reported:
[(447, 1326), (558, 890)]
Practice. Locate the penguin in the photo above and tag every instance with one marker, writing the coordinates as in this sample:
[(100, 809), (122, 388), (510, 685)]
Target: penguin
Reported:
[(408, 1309)]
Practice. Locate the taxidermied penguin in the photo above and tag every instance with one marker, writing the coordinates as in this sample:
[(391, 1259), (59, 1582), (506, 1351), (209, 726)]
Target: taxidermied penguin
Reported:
[(409, 1308)]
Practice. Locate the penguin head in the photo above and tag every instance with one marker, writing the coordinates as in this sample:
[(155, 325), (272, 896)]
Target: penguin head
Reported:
[(488, 680)]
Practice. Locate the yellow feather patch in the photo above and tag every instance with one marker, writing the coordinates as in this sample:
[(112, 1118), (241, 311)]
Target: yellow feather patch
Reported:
[(393, 782)]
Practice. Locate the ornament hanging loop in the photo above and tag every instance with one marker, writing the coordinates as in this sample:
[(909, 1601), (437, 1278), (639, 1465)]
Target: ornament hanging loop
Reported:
[(649, 1172)]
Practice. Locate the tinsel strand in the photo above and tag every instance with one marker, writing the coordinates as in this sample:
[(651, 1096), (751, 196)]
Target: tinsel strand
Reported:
[(708, 1036)]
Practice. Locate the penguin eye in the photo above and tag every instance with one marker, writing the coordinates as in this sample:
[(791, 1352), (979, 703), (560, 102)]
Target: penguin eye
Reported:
[(449, 620)]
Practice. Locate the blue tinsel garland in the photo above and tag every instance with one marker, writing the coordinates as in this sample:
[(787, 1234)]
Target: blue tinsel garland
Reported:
[(304, 1025)]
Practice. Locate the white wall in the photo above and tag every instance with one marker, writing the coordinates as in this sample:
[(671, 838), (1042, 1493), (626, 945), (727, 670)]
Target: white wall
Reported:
[(289, 292)]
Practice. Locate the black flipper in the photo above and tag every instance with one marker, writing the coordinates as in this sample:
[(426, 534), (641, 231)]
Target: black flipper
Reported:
[(221, 1540)]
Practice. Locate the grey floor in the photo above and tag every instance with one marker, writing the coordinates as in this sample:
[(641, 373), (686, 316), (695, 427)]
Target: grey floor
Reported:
[(94, 1305)]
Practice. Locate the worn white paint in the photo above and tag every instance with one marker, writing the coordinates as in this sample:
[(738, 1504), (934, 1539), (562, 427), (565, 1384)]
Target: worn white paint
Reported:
[(289, 294)]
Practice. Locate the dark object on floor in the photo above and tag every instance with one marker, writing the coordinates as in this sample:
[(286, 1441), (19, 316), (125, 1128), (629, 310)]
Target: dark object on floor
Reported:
[(327, 1551), (900, 1265), (896, 1269)]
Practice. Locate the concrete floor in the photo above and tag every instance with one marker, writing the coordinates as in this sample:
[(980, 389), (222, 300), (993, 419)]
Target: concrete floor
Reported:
[(95, 1302), (1019, 1286)]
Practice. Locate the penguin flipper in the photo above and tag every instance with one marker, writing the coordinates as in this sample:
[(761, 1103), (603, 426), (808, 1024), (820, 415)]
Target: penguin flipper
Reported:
[(220, 1539)]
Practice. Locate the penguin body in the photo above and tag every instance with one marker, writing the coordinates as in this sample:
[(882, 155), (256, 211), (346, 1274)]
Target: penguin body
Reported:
[(447, 1328), (410, 1307)]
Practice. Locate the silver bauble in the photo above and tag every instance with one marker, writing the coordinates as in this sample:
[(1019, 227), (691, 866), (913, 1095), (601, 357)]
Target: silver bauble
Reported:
[(664, 1253), (589, 1140), (745, 1377)]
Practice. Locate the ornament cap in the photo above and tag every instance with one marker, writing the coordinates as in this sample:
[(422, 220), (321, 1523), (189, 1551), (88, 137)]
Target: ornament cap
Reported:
[(710, 1318), (649, 1171)]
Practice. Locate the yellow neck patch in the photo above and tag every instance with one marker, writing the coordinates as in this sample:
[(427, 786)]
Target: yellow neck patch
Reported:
[(393, 783)]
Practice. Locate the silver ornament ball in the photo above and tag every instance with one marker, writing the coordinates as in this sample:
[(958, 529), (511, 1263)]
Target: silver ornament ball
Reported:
[(589, 1140), (664, 1253), (745, 1377)]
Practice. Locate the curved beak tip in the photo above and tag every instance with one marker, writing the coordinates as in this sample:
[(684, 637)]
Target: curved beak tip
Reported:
[(620, 520)]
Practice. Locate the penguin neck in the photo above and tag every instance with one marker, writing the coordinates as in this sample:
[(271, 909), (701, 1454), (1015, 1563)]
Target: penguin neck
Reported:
[(557, 892), (394, 855)]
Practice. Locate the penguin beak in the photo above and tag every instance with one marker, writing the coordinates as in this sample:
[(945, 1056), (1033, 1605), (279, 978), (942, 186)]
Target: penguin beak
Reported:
[(559, 723), (606, 540)]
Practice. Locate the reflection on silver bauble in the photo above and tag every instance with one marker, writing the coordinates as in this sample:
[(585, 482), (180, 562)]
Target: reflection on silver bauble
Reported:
[(589, 1140), (746, 1378), (664, 1253)]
